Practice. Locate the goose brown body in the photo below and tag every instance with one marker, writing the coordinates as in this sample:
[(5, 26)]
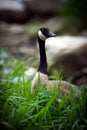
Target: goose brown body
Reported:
[(41, 76), (50, 84)]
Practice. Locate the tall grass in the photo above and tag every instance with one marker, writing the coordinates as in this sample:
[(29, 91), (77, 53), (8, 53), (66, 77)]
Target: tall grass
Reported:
[(21, 109)]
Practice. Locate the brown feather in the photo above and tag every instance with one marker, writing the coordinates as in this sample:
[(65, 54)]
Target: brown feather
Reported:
[(50, 84)]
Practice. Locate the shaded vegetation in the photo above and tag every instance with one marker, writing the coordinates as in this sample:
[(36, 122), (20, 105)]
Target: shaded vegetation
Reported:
[(21, 109), (76, 13)]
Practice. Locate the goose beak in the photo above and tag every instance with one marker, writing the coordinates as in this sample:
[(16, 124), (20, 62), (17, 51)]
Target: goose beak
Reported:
[(51, 34)]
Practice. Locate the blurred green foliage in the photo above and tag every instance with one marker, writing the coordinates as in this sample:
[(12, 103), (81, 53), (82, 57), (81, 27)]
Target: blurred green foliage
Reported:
[(76, 13)]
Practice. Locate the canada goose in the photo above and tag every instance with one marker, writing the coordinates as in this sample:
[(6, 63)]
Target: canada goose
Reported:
[(42, 35)]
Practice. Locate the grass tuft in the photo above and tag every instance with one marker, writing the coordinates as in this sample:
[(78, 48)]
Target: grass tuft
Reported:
[(21, 109)]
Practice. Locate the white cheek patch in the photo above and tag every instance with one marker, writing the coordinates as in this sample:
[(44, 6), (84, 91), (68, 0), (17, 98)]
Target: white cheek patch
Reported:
[(41, 36)]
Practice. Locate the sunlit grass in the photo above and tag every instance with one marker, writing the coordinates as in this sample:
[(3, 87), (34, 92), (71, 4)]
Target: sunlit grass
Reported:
[(21, 109)]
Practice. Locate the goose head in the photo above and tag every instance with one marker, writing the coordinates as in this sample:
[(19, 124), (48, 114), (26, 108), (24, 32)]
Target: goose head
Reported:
[(45, 33)]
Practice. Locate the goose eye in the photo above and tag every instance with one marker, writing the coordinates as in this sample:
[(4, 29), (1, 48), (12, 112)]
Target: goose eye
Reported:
[(45, 32)]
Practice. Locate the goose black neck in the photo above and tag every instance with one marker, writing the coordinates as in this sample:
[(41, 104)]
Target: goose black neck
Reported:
[(43, 60)]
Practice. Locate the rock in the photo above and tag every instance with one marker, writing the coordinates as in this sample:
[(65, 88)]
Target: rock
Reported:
[(11, 35), (16, 29), (68, 53), (21, 11), (30, 72), (13, 11), (43, 6)]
